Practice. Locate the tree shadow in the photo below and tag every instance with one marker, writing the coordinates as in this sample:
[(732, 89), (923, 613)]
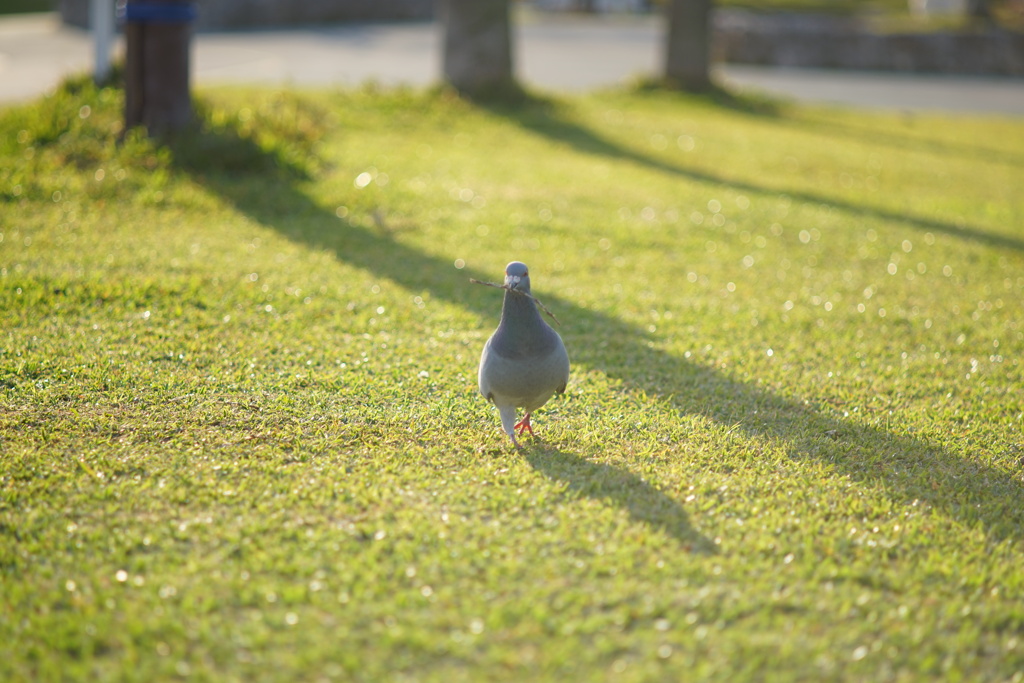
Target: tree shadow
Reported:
[(622, 488), (776, 109), (911, 471), (545, 118), (908, 141)]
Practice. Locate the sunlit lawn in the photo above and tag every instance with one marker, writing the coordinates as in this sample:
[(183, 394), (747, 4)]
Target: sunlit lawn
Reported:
[(240, 437)]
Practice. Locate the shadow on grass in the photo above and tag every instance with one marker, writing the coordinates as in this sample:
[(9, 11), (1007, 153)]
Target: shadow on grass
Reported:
[(911, 471), (827, 126), (909, 141), (542, 117), (621, 488)]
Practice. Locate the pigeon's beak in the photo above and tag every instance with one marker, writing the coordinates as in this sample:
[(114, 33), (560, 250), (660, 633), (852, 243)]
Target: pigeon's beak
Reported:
[(512, 281)]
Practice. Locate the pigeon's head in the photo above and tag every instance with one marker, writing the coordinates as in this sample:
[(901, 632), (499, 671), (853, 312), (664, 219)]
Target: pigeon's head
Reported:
[(517, 277)]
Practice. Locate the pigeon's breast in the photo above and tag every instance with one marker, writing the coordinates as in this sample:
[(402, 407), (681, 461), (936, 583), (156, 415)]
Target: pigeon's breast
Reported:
[(525, 379), (529, 349)]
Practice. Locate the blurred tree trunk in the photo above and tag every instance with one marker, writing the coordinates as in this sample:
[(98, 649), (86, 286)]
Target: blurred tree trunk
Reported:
[(477, 46), (157, 68), (688, 59), (979, 10)]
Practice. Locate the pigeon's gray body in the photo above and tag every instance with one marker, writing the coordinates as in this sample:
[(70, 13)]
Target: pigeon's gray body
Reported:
[(524, 363)]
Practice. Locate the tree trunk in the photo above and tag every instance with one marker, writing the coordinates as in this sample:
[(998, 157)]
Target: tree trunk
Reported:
[(688, 59), (979, 10), (477, 46), (157, 42)]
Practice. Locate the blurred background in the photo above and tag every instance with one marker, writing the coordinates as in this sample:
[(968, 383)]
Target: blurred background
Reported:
[(807, 49), (879, 15)]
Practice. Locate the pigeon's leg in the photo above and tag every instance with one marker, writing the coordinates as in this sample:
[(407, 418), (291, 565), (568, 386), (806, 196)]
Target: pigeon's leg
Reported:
[(524, 425), (508, 417)]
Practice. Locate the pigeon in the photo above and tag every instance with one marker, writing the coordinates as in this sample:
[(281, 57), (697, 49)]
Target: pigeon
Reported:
[(524, 363)]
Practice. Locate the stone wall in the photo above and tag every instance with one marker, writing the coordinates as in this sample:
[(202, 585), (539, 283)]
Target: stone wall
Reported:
[(230, 14), (241, 13), (815, 41), (741, 37)]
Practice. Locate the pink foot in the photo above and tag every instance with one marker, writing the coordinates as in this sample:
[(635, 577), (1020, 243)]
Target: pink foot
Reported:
[(524, 425)]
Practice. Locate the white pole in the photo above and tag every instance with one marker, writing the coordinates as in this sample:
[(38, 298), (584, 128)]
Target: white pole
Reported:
[(101, 15)]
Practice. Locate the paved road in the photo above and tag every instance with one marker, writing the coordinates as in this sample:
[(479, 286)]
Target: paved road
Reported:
[(552, 53)]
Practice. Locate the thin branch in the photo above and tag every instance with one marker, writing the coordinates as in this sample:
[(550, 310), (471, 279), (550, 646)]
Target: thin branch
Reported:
[(520, 293)]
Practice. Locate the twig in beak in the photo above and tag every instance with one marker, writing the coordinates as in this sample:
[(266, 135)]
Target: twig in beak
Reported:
[(516, 291)]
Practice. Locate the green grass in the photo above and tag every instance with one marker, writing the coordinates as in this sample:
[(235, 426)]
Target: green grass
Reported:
[(241, 438)]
